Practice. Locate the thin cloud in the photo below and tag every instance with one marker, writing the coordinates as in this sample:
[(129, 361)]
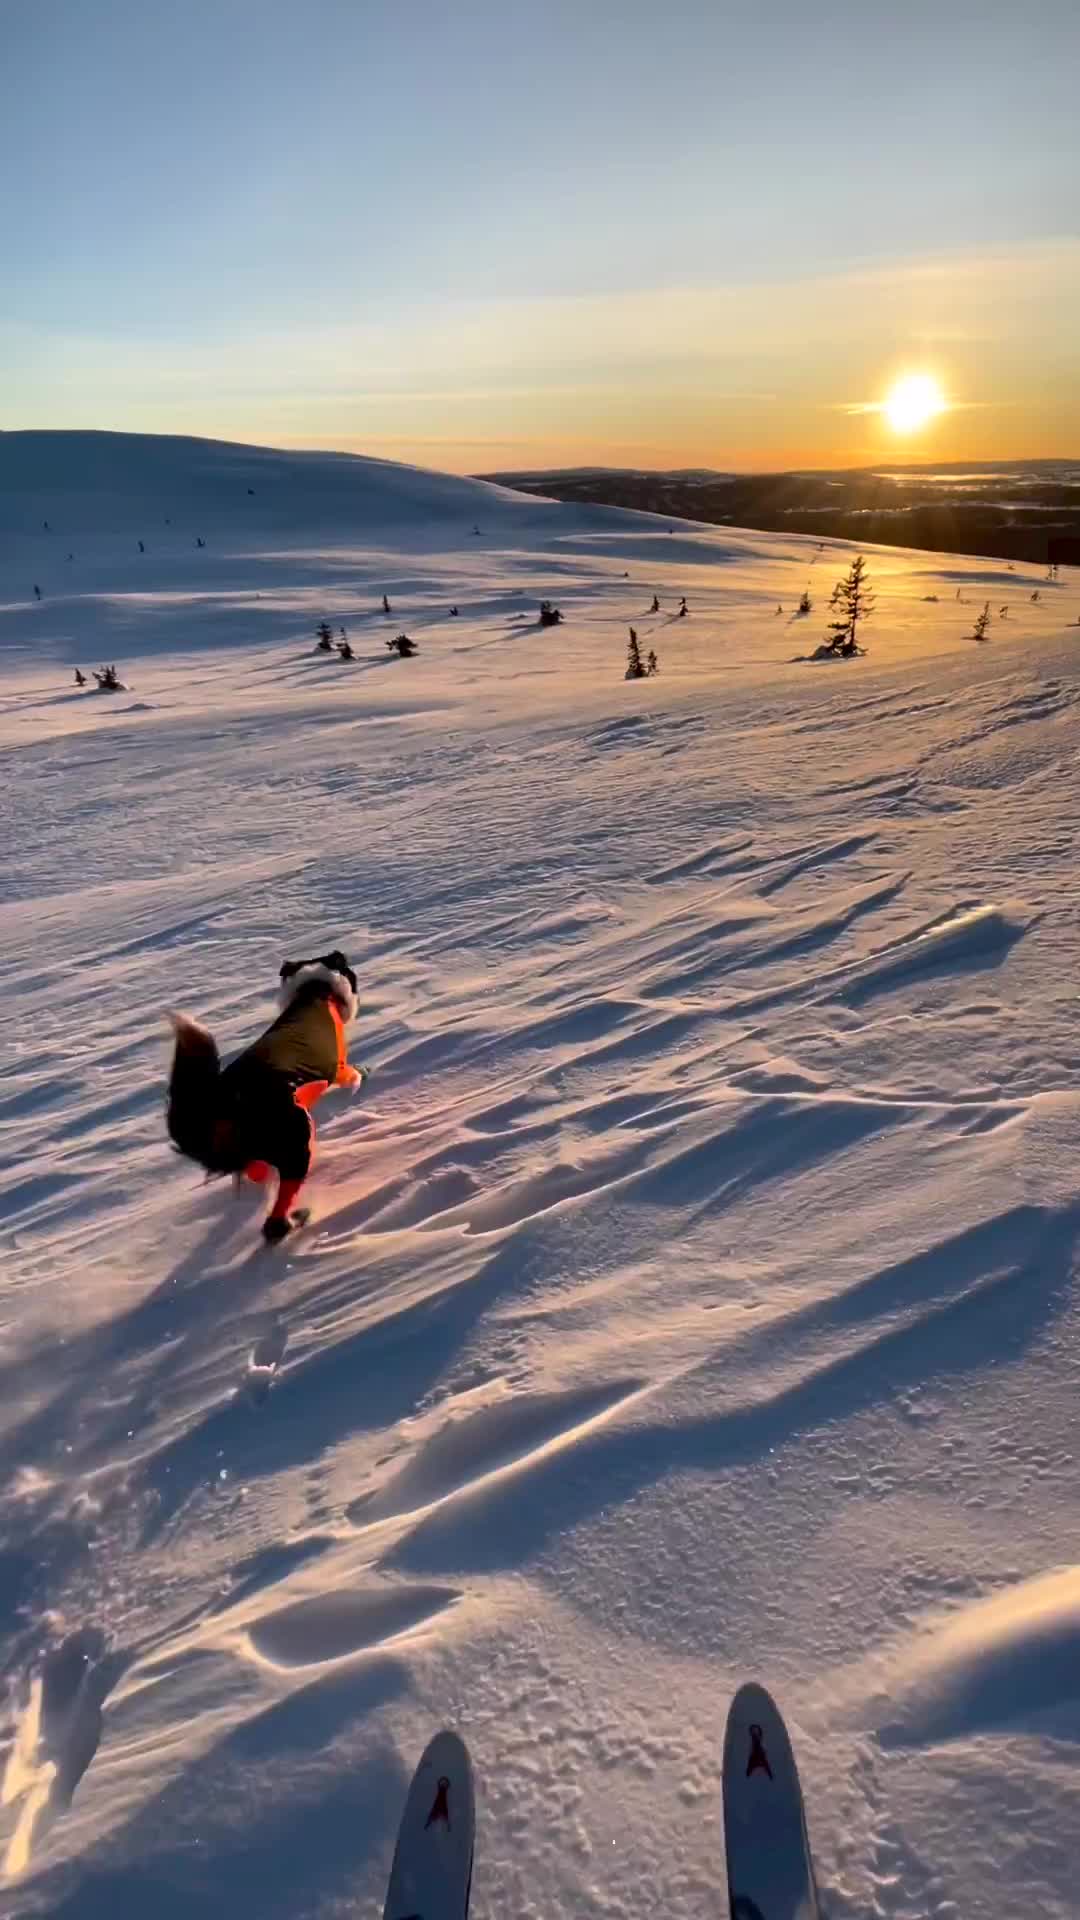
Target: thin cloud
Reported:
[(855, 408)]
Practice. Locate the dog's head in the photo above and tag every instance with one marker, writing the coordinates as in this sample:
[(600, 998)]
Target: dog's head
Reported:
[(332, 970)]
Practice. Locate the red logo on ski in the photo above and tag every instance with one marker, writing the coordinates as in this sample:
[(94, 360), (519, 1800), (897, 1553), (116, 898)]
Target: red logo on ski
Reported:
[(759, 1759), (441, 1807)]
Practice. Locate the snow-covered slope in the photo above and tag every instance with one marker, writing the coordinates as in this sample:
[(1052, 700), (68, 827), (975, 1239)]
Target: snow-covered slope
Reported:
[(692, 1292), (154, 485)]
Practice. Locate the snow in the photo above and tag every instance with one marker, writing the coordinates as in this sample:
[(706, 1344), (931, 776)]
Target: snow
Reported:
[(691, 1292)]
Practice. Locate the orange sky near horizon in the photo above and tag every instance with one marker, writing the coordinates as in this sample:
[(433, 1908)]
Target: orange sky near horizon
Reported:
[(762, 376)]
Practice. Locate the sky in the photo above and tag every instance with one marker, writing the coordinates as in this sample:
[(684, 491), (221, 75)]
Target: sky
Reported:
[(524, 233)]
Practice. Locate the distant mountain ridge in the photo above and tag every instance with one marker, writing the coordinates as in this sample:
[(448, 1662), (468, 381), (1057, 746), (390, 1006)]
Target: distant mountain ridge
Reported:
[(1015, 510)]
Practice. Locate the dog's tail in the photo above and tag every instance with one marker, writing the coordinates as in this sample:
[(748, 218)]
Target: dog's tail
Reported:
[(191, 1113)]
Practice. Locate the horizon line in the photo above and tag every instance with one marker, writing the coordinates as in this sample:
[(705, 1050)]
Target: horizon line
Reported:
[(722, 472)]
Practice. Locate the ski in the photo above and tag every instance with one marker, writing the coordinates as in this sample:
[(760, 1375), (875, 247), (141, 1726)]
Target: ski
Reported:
[(769, 1868), (431, 1876)]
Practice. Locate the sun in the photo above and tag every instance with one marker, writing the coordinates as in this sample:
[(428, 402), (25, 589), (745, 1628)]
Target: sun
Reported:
[(912, 402)]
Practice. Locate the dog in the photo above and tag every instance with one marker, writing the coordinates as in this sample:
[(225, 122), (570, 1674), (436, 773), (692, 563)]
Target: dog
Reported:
[(253, 1117)]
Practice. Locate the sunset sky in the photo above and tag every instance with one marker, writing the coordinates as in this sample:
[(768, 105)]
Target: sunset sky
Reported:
[(509, 234)]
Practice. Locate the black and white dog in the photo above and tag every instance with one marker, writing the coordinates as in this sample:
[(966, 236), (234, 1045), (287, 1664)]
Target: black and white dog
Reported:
[(254, 1116)]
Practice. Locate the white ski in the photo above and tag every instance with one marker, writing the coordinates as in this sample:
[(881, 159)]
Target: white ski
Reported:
[(432, 1872), (769, 1868)]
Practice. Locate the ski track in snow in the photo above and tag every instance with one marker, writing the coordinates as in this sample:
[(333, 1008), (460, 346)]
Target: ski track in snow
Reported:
[(691, 1292)]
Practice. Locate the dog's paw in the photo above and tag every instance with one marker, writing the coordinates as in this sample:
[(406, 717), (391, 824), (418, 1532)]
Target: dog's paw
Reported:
[(277, 1227)]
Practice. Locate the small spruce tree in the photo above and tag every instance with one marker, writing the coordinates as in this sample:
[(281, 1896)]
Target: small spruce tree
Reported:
[(402, 646), (982, 624), (805, 603), (550, 615), (635, 666), (853, 603), (652, 664), (325, 636)]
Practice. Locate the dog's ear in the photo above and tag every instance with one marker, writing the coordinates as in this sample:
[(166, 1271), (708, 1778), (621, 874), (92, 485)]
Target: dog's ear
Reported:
[(338, 963), (289, 967)]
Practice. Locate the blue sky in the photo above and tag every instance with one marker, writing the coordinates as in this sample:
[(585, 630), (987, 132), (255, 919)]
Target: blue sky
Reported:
[(489, 228)]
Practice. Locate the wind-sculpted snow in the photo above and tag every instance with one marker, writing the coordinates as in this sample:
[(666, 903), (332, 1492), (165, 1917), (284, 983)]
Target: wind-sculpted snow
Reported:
[(690, 1294), (1009, 1661)]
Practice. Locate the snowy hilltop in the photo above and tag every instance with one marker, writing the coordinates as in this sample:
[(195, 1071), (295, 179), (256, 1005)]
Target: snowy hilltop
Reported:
[(690, 1290)]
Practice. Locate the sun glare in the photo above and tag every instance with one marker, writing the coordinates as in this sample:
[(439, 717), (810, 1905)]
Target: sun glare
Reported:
[(912, 402)]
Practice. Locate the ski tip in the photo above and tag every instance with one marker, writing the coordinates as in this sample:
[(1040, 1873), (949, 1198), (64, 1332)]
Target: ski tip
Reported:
[(754, 1707), (752, 1701), (447, 1750)]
